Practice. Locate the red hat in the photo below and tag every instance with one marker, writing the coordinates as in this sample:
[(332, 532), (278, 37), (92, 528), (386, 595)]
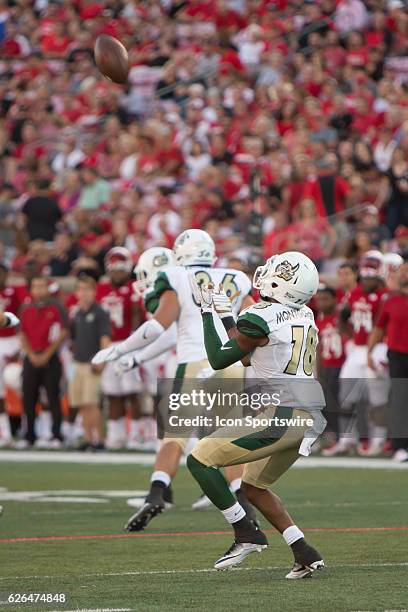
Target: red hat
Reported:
[(88, 239)]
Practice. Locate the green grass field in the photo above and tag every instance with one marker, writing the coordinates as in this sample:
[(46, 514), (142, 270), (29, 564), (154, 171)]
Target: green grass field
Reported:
[(366, 569)]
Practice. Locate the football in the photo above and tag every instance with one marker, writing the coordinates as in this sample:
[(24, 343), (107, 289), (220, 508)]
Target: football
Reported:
[(111, 58)]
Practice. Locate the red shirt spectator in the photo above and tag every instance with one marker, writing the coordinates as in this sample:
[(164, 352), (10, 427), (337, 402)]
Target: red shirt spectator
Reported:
[(393, 319), (312, 235), (364, 311), (41, 324), (276, 241), (331, 342), (329, 191), (119, 302)]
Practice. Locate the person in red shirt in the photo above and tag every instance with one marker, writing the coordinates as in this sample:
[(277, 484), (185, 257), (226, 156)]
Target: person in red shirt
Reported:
[(117, 298), (9, 347), (43, 329), (392, 325), (347, 279), (329, 190), (360, 386), (330, 351), (311, 234), (57, 42), (276, 241)]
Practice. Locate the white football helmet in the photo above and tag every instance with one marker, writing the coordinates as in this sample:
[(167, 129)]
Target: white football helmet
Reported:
[(149, 265), (392, 262), (371, 265), (291, 279), (194, 247)]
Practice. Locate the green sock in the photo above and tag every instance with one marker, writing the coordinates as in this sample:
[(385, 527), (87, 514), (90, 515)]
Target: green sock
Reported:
[(212, 483)]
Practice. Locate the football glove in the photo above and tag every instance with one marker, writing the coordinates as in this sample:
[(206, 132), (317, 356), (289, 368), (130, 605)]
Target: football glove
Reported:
[(125, 364), (203, 294), (222, 303), (105, 355), (12, 320)]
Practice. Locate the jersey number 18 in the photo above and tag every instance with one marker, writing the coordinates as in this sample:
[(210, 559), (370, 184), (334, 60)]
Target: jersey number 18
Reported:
[(309, 355)]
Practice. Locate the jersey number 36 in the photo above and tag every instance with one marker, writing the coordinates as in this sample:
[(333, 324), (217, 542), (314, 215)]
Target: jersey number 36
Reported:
[(228, 283)]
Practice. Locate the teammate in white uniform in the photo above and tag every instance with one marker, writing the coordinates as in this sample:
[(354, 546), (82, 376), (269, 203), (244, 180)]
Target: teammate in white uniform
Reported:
[(7, 320), (157, 360), (194, 251), (280, 335)]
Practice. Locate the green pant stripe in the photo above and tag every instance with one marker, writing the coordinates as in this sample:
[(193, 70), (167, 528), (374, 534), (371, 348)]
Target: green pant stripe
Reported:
[(212, 482), (179, 377), (269, 435)]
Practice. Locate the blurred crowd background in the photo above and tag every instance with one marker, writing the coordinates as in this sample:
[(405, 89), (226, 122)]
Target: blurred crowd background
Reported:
[(272, 124)]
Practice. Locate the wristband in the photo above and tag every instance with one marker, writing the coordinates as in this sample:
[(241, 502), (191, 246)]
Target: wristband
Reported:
[(206, 309), (228, 321)]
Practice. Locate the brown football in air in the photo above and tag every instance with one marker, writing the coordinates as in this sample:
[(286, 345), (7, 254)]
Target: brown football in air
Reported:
[(111, 58)]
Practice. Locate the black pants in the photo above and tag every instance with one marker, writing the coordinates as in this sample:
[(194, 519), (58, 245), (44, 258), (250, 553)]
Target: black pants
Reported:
[(34, 378), (398, 364), (329, 379)]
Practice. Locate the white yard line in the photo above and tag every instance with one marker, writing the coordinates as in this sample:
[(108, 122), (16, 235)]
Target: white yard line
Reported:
[(193, 571), (9, 603), (96, 610), (148, 459), (77, 457)]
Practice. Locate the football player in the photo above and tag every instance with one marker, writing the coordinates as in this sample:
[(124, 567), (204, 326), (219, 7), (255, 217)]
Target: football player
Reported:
[(357, 380), (194, 250), (157, 360), (280, 336), (330, 352), (9, 346), (117, 298)]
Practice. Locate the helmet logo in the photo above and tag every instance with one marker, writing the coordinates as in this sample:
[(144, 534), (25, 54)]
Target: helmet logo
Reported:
[(181, 239), (286, 271), (160, 260)]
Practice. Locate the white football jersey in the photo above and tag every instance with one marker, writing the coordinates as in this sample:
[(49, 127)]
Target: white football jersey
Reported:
[(190, 336), (288, 360)]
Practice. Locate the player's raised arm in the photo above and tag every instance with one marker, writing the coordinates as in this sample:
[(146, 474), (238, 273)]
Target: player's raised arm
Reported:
[(223, 306), (220, 355)]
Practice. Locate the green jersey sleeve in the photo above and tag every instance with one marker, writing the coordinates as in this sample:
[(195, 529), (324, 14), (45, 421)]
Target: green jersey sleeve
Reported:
[(151, 302), (252, 325), (162, 284)]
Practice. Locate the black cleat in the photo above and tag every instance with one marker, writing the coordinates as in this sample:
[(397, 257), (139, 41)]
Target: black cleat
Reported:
[(307, 561), (242, 546), (168, 497), (142, 517)]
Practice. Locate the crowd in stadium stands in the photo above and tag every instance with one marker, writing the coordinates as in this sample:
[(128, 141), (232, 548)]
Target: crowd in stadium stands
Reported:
[(272, 124)]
